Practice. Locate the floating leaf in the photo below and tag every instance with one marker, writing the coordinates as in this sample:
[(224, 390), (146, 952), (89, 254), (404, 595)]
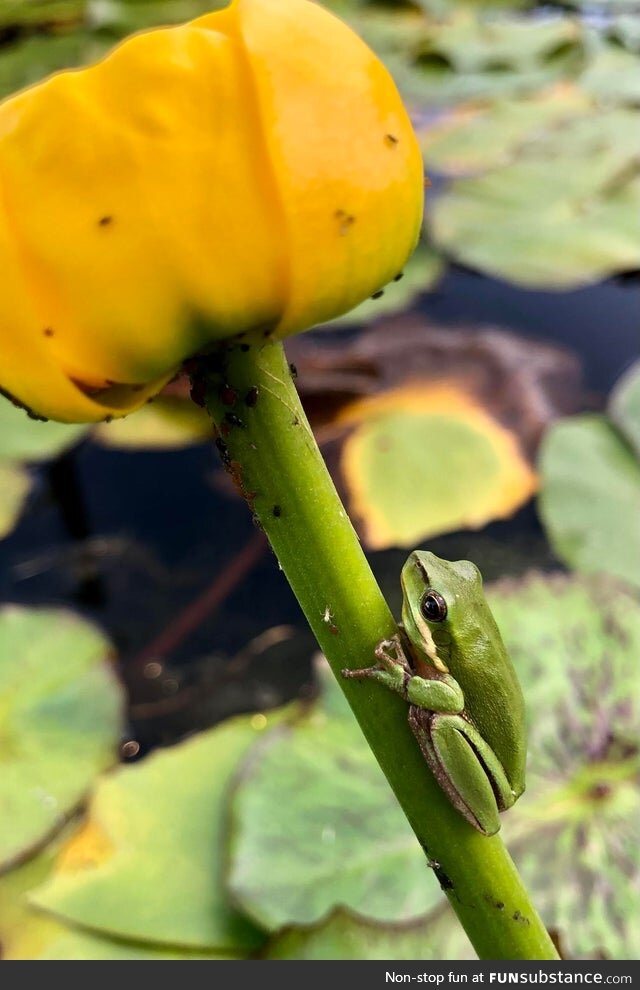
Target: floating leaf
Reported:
[(125, 16), (61, 709), (167, 423), (563, 215), (590, 497), (420, 274), (477, 136), (39, 14), (148, 863), (344, 935), (25, 439), (27, 933), (471, 56), (575, 833), (624, 406), (38, 55), (314, 825), (613, 76), (15, 485), (425, 460)]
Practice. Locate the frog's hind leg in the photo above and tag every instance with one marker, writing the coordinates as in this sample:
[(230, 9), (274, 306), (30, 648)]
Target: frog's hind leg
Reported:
[(464, 766)]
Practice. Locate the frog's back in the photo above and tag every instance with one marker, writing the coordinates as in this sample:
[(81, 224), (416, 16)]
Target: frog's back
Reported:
[(479, 661), (469, 643)]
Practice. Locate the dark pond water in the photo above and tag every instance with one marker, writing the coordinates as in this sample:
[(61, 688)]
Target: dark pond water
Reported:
[(134, 539)]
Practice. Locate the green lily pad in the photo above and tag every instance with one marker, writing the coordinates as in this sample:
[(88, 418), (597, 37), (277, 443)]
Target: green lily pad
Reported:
[(474, 470), (473, 56), (574, 834), (590, 497), (423, 269), (125, 16), (15, 485), (167, 423), (61, 717), (39, 13), (344, 935), (36, 56), (148, 864), (613, 76), (624, 406), (563, 215), (27, 933), (625, 30), (25, 439), (314, 826), (478, 136)]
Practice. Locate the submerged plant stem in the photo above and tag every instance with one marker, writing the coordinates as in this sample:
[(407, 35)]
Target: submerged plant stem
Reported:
[(268, 448)]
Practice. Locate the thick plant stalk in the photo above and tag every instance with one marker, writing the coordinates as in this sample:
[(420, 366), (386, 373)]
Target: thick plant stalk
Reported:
[(268, 448)]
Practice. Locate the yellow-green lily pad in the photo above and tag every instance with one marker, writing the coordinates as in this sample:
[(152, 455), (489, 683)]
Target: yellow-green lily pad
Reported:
[(25, 439), (61, 717), (561, 216), (15, 485), (426, 459), (475, 56), (27, 933), (477, 136), (590, 496), (148, 864), (613, 76), (624, 406), (167, 423)]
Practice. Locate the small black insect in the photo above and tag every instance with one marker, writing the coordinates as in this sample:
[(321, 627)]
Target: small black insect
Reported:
[(233, 420)]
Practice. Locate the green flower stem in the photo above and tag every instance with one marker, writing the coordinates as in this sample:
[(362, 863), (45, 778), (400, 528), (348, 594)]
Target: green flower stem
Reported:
[(269, 450)]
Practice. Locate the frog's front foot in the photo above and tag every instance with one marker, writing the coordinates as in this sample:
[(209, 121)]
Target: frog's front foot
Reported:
[(393, 668)]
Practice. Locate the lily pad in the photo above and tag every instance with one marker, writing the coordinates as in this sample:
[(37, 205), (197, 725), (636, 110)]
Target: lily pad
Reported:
[(15, 485), (61, 708), (37, 55), (25, 439), (590, 497), (575, 834), (167, 423), (420, 274), (420, 461), (477, 136), (563, 215), (613, 76), (624, 406), (27, 933), (344, 935), (38, 13), (148, 863), (314, 826), (474, 56)]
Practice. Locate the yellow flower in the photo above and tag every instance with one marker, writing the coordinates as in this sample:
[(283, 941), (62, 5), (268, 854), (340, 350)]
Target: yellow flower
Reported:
[(250, 172)]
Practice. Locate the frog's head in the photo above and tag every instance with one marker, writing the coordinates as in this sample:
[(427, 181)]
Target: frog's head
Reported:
[(435, 595)]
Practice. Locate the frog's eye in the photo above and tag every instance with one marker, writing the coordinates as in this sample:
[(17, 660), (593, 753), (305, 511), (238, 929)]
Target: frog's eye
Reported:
[(433, 606)]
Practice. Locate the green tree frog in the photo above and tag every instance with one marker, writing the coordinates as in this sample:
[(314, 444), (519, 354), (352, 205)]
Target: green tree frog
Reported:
[(466, 706)]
